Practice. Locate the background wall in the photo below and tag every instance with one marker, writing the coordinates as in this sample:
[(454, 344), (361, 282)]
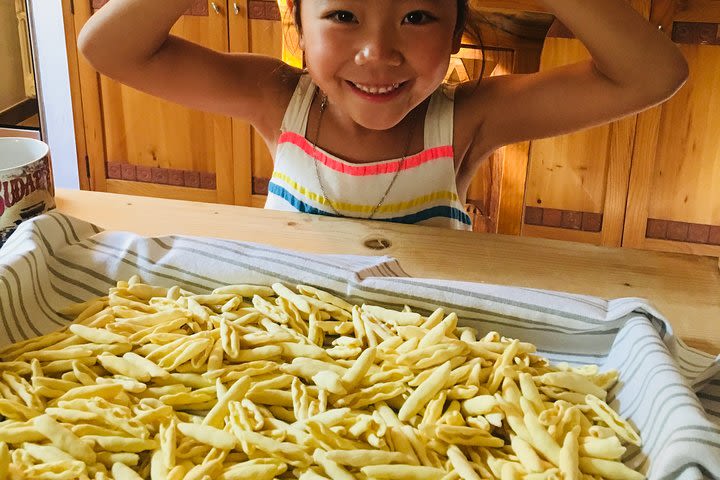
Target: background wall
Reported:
[(54, 89), (12, 89)]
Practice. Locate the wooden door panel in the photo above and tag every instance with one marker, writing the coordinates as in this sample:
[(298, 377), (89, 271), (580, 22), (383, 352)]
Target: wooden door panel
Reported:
[(577, 183), (160, 148), (266, 38), (484, 193), (686, 177), (674, 198), (568, 175)]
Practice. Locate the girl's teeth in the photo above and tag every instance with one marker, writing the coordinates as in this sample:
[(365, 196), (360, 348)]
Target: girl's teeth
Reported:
[(377, 90)]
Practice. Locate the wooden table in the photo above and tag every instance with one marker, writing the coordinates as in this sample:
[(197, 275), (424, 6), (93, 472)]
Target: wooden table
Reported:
[(686, 289)]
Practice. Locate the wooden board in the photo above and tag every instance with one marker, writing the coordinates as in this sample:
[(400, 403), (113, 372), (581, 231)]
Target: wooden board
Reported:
[(684, 288)]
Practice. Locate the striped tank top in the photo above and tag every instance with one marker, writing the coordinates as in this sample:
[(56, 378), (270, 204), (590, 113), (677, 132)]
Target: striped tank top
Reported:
[(424, 191)]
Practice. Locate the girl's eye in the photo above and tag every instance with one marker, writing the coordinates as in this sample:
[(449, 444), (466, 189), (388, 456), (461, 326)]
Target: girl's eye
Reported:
[(417, 18), (342, 16)]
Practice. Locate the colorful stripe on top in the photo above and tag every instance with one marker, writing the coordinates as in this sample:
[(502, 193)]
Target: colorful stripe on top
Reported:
[(360, 170)]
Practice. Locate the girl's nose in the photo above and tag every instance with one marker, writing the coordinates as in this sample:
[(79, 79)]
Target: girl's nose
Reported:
[(379, 49)]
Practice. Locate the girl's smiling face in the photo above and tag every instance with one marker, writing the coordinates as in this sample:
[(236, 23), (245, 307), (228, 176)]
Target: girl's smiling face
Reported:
[(378, 59)]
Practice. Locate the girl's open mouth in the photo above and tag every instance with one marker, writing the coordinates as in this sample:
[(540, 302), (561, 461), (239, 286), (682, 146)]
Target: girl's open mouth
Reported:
[(377, 93)]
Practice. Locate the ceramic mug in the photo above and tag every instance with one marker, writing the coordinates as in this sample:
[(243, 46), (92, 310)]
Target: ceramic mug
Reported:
[(26, 183)]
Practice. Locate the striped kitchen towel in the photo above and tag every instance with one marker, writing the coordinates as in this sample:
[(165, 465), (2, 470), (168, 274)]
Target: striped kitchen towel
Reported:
[(670, 392)]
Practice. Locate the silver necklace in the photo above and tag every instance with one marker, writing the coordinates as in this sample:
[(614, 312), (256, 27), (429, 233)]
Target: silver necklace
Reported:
[(323, 106)]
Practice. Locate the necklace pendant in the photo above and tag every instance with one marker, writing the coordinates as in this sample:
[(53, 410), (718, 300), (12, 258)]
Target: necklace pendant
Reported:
[(331, 204)]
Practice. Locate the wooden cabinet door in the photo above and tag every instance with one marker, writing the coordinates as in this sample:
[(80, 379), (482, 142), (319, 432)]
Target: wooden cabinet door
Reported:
[(255, 27), (577, 183), (242, 132), (495, 195), (674, 197), (139, 144), (511, 43)]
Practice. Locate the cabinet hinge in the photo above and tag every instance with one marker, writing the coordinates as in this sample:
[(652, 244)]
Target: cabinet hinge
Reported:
[(87, 166)]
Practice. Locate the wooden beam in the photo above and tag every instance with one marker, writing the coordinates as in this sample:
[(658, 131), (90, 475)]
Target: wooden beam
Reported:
[(511, 5)]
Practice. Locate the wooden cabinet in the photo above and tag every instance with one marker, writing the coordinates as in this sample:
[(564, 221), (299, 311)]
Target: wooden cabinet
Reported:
[(259, 31), (577, 184), (674, 193), (138, 144), (647, 181), (512, 43)]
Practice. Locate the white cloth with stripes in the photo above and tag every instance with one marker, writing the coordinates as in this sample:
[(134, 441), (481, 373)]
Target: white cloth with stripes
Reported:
[(670, 392)]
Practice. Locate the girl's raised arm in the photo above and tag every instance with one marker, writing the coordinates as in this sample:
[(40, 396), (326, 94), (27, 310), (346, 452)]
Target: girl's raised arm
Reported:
[(129, 40), (634, 66)]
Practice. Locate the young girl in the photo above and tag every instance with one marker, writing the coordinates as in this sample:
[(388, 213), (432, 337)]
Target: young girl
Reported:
[(368, 130)]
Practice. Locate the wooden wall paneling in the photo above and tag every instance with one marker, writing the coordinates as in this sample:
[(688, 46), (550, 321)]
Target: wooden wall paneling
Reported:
[(520, 34), (676, 165), (258, 201), (567, 172), (270, 31), (565, 234), (222, 150), (648, 131), (512, 43), (583, 196), (145, 131), (265, 37), (75, 93), (484, 193), (646, 138), (687, 173), (511, 210), (239, 27), (511, 5), (583, 174), (674, 201), (161, 191), (113, 110), (218, 127), (90, 101), (622, 140)]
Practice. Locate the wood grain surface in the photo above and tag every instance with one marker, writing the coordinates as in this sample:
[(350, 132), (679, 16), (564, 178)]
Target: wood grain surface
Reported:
[(683, 287)]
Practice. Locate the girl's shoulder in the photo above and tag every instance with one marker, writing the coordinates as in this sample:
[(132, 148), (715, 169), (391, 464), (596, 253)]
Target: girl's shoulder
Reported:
[(488, 113)]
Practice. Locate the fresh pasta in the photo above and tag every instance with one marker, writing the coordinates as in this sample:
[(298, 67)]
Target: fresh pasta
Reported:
[(263, 382)]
